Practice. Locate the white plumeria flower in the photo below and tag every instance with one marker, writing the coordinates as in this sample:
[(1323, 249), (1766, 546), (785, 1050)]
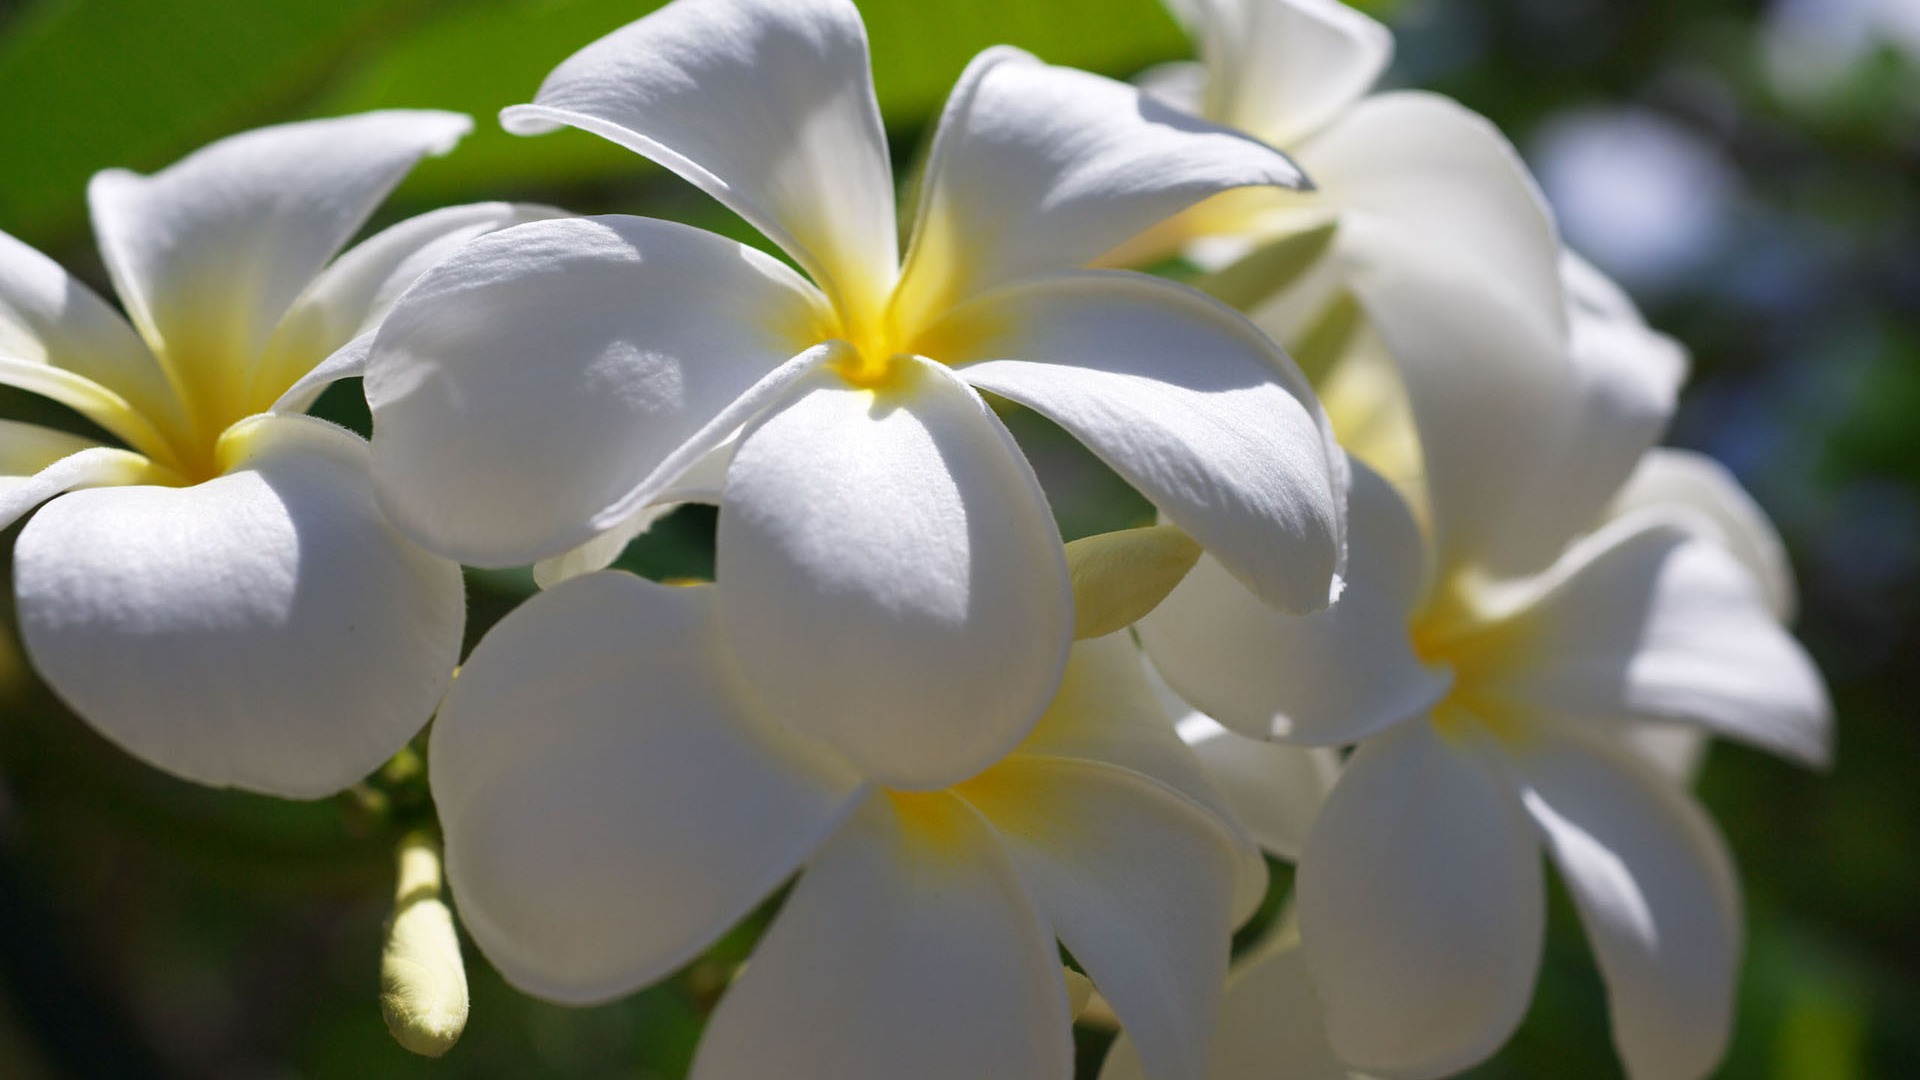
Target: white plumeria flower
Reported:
[(550, 382), (226, 601), (612, 803), (1270, 1024), (1497, 668)]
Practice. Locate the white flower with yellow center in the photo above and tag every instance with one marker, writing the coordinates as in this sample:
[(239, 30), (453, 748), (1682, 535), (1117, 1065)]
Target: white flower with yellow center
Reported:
[(226, 600), (1500, 663), (895, 581), (613, 802)]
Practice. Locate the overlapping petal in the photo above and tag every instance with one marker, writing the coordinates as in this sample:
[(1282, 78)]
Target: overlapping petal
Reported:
[(209, 253), (1645, 619), (532, 390), (79, 464), (1682, 478), (894, 582), (54, 332), (1186, 400), (701, 483), (608, 810), (1137, 881), (1037, 168), (1275, 790), (1657, 893), (767, 105), (1330, 678), (350, 297), (909, 948), (1421, 906), (1282, 69), (265, 630), (1270, 1025)]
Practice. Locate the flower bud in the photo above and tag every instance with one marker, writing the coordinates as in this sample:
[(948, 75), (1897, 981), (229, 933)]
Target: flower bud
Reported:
[(423, 983)]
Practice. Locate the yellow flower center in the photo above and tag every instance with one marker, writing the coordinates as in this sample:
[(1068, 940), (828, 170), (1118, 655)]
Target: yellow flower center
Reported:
[(1449, 633)]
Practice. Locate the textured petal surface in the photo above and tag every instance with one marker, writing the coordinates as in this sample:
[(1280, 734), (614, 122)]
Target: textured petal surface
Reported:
[(1038, 168), (1695, 481), (209, 253), (1187, 401), (908, 949), (48, 318), (540, 378), (1137, 881), (1327, 679), (767, 105), (1270, 1025), (1645, 619), (1421, 906), (266, 630), (608, 809), (350, 297), (1281, 69), (76, 463), (891, 578), (1438, 177), (1657, 893)]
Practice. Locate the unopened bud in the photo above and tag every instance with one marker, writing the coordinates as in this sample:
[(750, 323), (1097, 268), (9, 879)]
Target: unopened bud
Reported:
[(423, 983), (1120, 576)]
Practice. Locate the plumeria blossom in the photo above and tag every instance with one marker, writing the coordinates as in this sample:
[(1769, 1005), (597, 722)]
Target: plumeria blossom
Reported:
[(545, 386), (1498, 659), (614, 799), (210, 583)]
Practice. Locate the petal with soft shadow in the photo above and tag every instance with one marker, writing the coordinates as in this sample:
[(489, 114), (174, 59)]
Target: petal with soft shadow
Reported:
[(1645, 620), (701, 484), (891, 579), (1270, 1025), (209, 253), (266, 629), (1421, 905), (608, 809), (1325, 679), (1039, 168), (1281, 69), (1657, 893), (1276, 790), (1138, 883), (49, 319), (541, 384), (1188, 402), (350, 297), (766, 105), (75, 463), (908, 949), (1684, 478)]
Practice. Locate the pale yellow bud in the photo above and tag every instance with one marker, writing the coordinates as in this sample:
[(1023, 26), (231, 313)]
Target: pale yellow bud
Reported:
[(1079, 992), (423, 983), (1120, 576)]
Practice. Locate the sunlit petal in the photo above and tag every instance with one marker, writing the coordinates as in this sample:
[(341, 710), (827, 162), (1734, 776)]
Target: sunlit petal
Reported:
[(1281, 69), (1683, 478)]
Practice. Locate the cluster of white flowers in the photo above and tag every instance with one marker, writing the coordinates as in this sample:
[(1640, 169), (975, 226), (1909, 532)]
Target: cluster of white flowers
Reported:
[(1400, 440)]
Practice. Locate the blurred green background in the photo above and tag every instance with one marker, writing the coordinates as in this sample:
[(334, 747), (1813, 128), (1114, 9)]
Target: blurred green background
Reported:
[(1750, 170)]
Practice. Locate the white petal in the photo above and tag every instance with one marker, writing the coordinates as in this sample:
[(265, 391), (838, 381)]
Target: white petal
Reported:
[(767, 105), (1276, 790), (349, 298), (908, 949), (1421, 906), (702, 484), (1657, 893), (1325, 679), (84, 466), (1646, 620), (1281, 69), (1436, 176), (891, 578), (1675, 750), (1270, 1025), (608, 809), (1039, 168), (266, 630), (1189, 403), (209, 253), (49, 319), (1696, 481), (536, 382), (1137, 881), (1110, 711)]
